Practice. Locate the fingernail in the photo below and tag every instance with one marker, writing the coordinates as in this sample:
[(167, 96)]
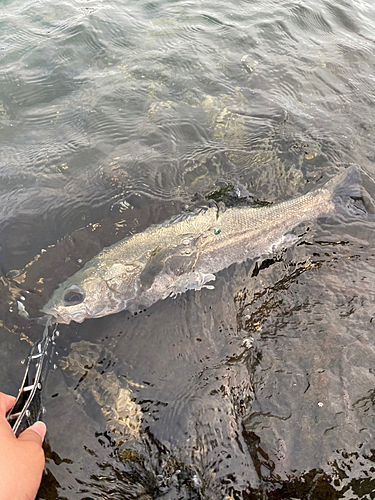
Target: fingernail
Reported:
[(40, 428)]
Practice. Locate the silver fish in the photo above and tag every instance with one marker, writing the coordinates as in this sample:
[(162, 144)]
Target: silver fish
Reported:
[(184, 254)]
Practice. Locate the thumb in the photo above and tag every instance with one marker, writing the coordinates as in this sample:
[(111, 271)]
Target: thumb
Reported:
[(35, 433)]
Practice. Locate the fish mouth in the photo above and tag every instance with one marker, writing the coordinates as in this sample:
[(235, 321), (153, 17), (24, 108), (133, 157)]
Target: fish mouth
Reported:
[(78, 316), (66, 317)]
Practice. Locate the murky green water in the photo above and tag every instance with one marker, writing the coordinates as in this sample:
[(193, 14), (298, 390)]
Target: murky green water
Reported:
[(117, 115)]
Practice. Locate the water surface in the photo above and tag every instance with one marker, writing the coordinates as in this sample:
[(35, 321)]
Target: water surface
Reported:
[(117, 115)]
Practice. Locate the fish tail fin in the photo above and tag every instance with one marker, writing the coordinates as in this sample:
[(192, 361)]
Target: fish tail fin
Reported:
[(345, 188)]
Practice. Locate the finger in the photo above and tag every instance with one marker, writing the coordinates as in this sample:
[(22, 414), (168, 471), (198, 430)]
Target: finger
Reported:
[(6, 403), (35, 433)]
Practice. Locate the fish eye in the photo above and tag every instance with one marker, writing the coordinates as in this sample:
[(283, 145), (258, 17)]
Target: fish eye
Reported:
[(73, 296)]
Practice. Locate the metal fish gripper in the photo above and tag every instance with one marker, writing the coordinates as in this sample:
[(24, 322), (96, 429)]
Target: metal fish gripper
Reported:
[(28, 407)]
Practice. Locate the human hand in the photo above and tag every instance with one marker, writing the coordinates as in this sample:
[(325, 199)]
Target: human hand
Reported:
[(21, 459)]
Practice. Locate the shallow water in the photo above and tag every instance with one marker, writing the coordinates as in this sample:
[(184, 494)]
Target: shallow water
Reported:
[(115, 116)]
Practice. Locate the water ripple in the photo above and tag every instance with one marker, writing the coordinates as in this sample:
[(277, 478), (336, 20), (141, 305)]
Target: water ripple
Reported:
[(309, 19), (343, 17)]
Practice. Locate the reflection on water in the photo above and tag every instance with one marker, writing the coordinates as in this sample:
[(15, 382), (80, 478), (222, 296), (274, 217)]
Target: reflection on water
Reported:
[(115, 116)]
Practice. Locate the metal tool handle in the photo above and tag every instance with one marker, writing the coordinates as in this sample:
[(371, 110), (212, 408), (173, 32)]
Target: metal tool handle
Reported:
[(27, 408)]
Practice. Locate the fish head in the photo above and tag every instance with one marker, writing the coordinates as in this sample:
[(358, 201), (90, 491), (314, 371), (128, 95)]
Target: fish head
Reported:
[(94, 292)]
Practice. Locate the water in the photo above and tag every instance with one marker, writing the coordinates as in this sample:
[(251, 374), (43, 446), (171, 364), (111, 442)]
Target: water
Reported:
[(116, 115)]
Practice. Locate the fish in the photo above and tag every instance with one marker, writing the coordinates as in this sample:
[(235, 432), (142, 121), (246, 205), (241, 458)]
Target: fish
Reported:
[(186, 253)]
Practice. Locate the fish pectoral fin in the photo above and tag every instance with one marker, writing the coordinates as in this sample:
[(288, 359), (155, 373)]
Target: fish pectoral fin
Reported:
[(173, 261), (179, 265), (153, 267)]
